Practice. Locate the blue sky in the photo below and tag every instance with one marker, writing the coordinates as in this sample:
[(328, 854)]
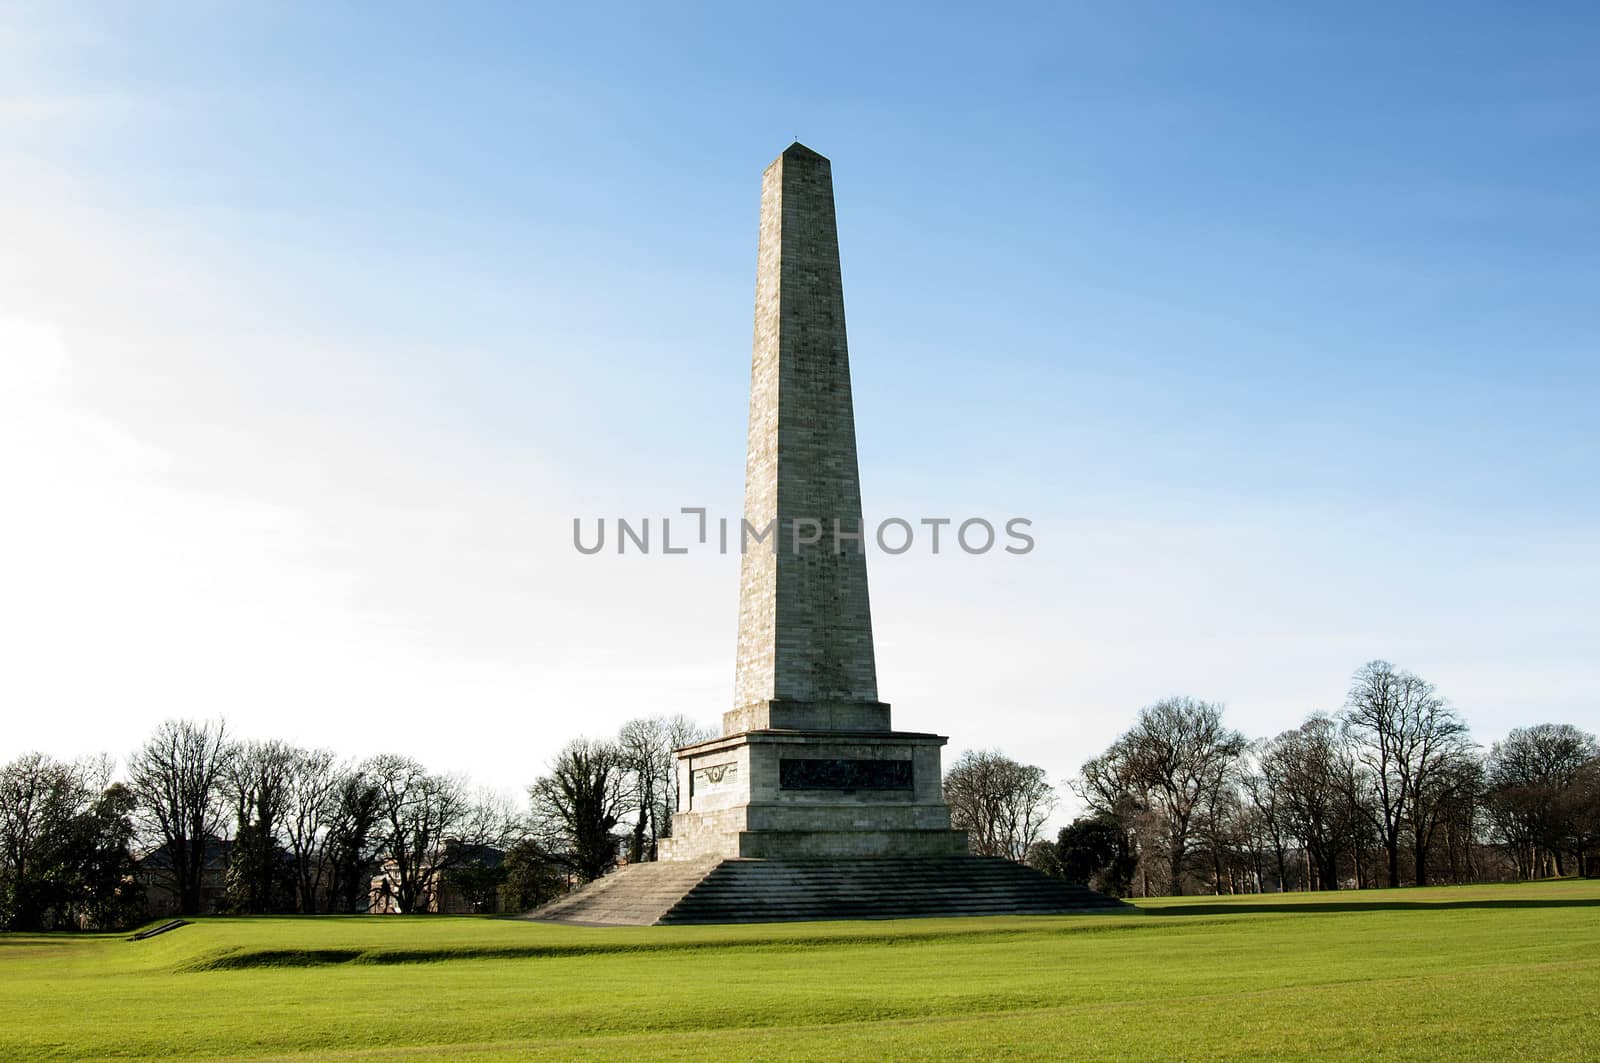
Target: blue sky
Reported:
[(1278, 322)]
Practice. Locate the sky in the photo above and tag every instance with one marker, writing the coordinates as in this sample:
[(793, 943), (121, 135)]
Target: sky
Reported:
[(319, 325)]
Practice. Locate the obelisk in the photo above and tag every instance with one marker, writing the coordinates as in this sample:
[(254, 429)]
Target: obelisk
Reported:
[(808, 806), (805, 655), (807, 765)]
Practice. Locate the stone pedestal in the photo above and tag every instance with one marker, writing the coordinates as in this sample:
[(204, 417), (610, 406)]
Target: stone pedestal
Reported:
[(812, 794)]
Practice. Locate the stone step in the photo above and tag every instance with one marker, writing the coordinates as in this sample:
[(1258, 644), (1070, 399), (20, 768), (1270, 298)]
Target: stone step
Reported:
[(637, 895), (743, 891)]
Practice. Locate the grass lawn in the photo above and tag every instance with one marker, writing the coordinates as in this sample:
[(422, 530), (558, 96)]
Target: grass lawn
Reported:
[(1482, 972)]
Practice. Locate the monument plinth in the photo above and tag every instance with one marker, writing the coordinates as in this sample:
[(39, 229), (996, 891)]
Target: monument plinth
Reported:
[(807, 765)]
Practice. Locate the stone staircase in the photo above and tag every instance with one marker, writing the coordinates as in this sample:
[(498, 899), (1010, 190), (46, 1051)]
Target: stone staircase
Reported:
[(637, 895), (772, 891)]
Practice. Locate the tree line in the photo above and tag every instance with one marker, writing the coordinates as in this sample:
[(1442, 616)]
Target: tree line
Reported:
[(1390, 790), (201, 821)]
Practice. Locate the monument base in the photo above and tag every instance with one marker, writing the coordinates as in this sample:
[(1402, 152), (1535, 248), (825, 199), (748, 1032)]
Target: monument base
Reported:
[(770, 794)]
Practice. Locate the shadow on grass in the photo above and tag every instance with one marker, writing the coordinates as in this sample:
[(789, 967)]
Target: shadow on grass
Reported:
[(248, 958), (1366, 903)]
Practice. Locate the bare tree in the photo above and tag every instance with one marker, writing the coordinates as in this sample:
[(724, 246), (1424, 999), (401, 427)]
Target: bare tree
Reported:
[(1179, 753), (1263, 788), (646, 747), (1225, 827), (1534, 794), (647, 765), (1002, 804), (429, 824), (1305, 768), (1358, 797), (176, 779), (1442, 796), (1459, 815), (578, 805), (1586, 813), (1411, 742), (310, 808)]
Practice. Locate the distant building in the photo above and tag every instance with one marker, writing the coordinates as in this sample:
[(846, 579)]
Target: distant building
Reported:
[(467, 884), (154, 872)]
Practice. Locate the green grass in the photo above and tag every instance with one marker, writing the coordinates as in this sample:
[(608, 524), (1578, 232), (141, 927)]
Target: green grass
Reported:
[(1486, 972)]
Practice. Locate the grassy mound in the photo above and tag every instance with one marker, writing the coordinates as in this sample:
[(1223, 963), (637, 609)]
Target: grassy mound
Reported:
[(1477, 972)]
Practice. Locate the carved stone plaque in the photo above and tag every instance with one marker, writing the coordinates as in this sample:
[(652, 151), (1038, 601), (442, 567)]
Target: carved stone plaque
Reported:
[(818, 774), (712, 776)]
